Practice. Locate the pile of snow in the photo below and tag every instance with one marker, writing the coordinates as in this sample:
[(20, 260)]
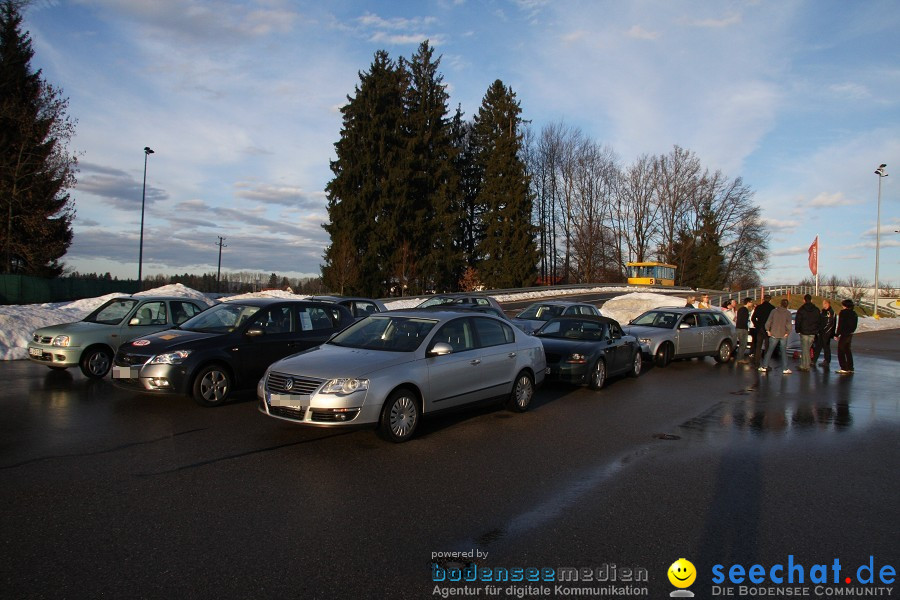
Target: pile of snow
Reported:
[(411, 302), (265, 294), (871, 324), (625, 308)]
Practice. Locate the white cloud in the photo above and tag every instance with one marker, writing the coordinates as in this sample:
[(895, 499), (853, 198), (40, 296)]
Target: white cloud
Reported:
[(639, 33)]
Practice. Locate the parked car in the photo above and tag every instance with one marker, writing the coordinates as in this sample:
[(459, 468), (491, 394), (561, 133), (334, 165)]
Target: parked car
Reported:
[(393, 368), (669, 333), (227, 347), (587, 349), (461, 298), (91, 343), (466, 307), (359, 307), (533, 318)]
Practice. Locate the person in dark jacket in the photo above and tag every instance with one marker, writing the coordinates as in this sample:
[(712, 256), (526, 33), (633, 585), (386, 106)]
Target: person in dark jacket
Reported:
[(742, 326), (846, 325), (760, 316), (806, 323), (826, 332)]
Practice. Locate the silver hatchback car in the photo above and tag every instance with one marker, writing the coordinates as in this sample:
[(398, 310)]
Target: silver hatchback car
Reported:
[(392, 368), (669, 333)]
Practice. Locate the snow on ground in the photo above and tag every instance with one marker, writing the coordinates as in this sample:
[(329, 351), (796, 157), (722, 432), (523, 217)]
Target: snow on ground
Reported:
[(625, 308), (18, 322)]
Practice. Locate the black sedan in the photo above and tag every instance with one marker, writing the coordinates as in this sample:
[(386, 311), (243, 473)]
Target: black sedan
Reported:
[(228, 346), (586, 349)]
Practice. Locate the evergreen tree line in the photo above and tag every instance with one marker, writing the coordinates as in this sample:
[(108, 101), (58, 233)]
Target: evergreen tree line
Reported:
[(238, 282), (594, 215), (36, 167), (419, 196), (421, 201)]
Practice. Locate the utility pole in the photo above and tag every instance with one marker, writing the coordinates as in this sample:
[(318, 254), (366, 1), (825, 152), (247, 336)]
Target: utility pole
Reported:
[(221, 244)]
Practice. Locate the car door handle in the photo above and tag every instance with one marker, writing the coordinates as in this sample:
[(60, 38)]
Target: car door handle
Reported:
[(475, 362), (512, 354)]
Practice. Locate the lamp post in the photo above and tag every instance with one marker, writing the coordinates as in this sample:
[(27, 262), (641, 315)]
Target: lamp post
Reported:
[(880, 171), (147, 152)]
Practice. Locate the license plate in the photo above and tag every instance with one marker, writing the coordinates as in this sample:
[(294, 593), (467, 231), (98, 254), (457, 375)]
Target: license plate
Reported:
[(36, 352), (288, 400), (126, 372)]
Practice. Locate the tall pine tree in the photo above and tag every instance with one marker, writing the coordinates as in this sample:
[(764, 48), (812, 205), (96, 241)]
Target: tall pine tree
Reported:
[(434, 228), (366, 197), (506, 253), (36, 169)]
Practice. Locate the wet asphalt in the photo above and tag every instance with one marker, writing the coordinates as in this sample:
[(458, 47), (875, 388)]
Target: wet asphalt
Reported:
[(104, 494)]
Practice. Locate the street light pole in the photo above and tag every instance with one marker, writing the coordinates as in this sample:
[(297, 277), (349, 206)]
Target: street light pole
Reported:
[(147, 152), (880, 171)]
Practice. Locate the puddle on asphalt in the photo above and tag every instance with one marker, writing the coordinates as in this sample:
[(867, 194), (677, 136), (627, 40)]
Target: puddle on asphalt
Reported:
[(778, 405)]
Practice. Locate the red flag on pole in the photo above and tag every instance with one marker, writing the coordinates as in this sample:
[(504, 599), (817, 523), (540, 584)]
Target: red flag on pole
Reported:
[(814, 257)]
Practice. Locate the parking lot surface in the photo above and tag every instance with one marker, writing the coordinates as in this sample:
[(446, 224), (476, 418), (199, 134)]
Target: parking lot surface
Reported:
[(104, 494)]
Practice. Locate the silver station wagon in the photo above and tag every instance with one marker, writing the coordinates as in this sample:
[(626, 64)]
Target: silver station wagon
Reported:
[(392, 368), (669, 333)]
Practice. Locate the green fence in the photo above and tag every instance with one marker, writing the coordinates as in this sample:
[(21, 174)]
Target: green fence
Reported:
[(22, 289)]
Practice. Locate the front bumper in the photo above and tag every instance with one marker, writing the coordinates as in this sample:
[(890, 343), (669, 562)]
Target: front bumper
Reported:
[(54, 356), (313, 408), (567, 373), (155, 379)]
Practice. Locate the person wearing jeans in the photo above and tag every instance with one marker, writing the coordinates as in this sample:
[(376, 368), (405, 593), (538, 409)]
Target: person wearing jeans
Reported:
[(807, 324), (778, 327), (742, 327)]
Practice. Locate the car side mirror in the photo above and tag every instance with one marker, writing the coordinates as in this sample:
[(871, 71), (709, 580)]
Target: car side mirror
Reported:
[(684, 326), (440, 349), (134, 321), (254, 332)]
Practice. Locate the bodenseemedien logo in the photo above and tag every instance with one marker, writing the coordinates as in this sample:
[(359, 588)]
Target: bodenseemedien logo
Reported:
[(682, 574)]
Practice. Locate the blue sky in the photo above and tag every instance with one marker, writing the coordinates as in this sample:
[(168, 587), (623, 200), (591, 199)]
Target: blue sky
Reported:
[(240, 102)]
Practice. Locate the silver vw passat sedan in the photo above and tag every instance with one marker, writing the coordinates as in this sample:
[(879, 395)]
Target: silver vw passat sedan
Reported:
[(392, 368)]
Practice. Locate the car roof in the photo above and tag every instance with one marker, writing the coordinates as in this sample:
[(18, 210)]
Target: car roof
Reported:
[(600, 319), (562, 303), (270, 301), (155, 298), (435, 313), (683, 309)]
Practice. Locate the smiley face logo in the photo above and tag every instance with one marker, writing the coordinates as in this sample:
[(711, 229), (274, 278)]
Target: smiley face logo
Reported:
[(682, 573)]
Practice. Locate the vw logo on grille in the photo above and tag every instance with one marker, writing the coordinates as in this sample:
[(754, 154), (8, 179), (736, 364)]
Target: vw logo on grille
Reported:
[(288, 385)]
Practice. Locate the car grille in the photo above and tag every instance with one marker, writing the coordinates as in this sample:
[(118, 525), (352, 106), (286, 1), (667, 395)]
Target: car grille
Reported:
[(130, 359), (42, 340), (277, 383), (285, 412)]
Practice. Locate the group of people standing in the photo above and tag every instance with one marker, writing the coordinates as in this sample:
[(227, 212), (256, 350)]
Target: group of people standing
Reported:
[(815, 326)]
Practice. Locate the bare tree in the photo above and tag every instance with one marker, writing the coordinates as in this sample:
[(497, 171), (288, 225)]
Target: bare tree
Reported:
[(832, 284), (857, 287), (638, 208)]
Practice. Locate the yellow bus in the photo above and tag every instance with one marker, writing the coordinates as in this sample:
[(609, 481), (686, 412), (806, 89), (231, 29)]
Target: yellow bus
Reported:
[(650, 273)]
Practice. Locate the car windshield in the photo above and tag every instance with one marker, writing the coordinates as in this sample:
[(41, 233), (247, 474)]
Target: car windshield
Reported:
[(112, 312), (391, 333), (541, 312), (663, 319), (222, 318), (441, 300), (573, 329)]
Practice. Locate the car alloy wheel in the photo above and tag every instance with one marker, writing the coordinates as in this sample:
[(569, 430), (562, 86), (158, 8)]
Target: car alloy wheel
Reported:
[(96, 363), (637, 364), (400, 416), (212, 386), (598, 375), (724, 354), (663, 355), (522, 393)]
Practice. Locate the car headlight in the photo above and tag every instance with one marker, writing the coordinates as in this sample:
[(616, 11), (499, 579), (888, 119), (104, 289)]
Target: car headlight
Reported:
[(344, 386), (579, 359), (61, 340), (170, 358), (645, 341)]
